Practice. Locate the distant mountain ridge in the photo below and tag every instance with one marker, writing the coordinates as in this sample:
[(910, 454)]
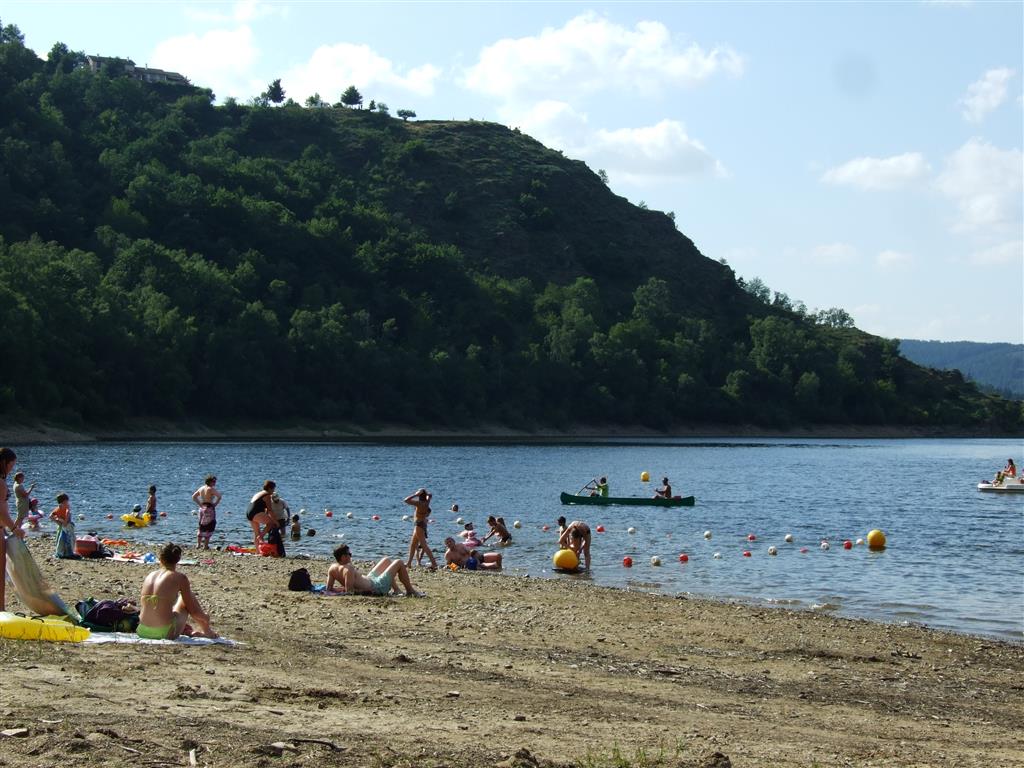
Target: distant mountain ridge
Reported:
[(995, 366)]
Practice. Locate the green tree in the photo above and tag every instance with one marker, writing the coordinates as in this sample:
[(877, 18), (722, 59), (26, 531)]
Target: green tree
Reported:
[(315, 102), (405, 114), (274, 92), (602, 174), (352, 97)]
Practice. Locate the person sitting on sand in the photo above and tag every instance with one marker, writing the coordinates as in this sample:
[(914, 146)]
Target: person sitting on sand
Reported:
[(380, 581), (461, 556), (168, 603), (665, 492), (576, 537), (498, 529)]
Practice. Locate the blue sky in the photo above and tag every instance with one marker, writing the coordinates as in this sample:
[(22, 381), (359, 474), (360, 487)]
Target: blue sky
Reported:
[(859, 155)]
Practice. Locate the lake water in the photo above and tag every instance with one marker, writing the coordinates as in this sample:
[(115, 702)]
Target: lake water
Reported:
[(955, 557)]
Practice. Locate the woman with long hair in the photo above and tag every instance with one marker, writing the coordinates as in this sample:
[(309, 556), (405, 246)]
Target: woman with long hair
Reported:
[(7, 461)]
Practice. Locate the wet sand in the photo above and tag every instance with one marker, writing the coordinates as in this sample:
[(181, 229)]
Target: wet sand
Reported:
[(497, 670)]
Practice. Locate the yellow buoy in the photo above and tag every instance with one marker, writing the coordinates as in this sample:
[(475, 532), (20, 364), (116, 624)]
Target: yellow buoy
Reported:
[(565, 560), (645, 477), (876, 539)]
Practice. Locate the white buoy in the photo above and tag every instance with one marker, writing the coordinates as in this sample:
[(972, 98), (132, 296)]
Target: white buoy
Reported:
[(655, 560), (349, 515), (302, 511), (631, 530), (717, 555), (825, 546), (860, 542), (517, 524), (789, 538), (459, 520), (405, 517), (772, 551), (707, 535), (81, 517)]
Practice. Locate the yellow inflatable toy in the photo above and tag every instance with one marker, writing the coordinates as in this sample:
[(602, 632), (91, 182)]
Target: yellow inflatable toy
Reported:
[(645, 476), (565, 560), (16, 626), (876, 539), (137, 521)]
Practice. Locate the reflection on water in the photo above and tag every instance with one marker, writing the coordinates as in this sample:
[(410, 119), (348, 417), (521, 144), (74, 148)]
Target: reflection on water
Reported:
[(954, 558)]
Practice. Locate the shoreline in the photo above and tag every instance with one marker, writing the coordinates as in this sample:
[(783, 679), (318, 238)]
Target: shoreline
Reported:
[(505, 671), (44, 433)]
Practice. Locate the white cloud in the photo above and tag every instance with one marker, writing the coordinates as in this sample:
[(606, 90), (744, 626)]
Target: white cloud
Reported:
[(834, 253), (663, 151), (985, 183), (554, 123), (592, 54), (889, 259), (1005, 253), (879, 173), (986, 94), (332, 68), (219, 59), (243, 11)]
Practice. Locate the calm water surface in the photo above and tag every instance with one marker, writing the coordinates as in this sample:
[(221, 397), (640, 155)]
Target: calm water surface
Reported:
[(955, 558)]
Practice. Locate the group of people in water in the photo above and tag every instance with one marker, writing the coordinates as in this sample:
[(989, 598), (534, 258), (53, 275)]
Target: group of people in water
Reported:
[(168, 608)]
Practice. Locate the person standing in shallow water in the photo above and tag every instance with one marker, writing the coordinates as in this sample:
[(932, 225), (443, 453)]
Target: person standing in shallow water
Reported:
[(7, 460), (420, 500)]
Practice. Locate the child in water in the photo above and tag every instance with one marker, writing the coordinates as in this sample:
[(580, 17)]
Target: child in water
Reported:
[(33, 517), (296, 527)]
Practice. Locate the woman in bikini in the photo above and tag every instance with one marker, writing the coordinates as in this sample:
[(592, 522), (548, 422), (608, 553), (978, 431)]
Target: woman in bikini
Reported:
[(168, 603), (261, 514), (7, 460), (420, 500)]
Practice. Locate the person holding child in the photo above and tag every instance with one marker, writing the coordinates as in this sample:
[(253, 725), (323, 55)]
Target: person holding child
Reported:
[(21, 497), (168, 603)]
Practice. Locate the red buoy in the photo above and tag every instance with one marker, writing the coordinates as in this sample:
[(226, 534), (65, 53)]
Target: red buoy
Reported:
[(627, 562), (746, 553), (684, 558), (847, 544), (600, 529), (751, 537)]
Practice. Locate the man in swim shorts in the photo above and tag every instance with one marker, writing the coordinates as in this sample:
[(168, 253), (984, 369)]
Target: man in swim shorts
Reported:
[(168, 603), (380, 581)]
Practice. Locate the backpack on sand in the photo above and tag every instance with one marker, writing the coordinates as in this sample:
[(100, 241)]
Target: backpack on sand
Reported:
[(299, 581)]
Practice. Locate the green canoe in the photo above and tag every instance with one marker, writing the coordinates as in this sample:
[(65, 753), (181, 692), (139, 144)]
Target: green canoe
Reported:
[(631, 501)]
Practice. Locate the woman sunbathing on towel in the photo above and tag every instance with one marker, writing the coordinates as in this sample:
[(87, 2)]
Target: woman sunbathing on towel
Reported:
[(168, 603)]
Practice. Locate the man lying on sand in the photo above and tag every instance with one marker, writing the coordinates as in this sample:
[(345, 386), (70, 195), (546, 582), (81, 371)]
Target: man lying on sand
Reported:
[(379, 581), (168, 603)]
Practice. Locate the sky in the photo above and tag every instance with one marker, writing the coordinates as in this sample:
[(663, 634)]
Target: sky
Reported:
[(857, 155)]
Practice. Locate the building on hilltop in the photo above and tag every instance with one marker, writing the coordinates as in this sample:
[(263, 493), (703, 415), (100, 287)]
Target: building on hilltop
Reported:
[(146, 74)]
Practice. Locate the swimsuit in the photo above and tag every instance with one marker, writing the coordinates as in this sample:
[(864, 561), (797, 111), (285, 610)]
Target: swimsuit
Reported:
[(208, 512), (381, 583), (257, 507), (154, 633)]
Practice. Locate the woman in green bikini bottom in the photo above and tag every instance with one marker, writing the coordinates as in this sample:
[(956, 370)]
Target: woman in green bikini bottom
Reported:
[(168, 603)]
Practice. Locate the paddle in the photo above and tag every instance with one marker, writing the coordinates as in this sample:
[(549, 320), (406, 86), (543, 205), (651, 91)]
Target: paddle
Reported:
[(588, 485)]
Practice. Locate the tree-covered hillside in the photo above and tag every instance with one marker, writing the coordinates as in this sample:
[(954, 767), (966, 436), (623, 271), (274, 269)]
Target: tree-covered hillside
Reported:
[(165, 257), (995, 367)]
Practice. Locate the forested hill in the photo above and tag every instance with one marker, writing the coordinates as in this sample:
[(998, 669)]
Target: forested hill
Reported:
[(996, 367), (165, 257)]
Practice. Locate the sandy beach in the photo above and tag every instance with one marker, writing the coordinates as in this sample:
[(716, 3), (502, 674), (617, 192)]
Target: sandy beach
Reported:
[(497, 670)]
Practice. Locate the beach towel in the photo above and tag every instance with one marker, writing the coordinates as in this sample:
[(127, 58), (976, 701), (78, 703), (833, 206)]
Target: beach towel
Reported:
[(29, 584), (130, 638)]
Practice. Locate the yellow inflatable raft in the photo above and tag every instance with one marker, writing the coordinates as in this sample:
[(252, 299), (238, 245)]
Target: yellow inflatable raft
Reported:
[(137, 521), (17, 626)]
